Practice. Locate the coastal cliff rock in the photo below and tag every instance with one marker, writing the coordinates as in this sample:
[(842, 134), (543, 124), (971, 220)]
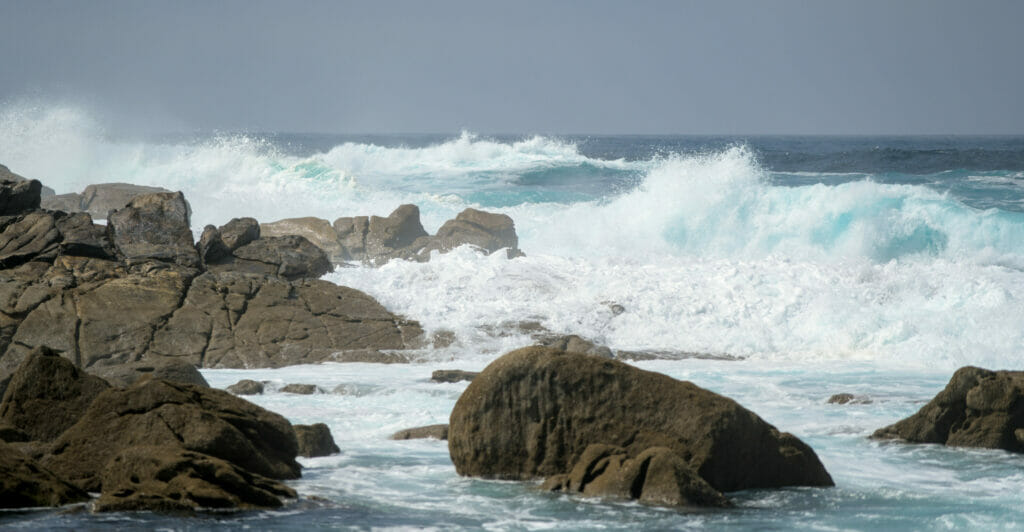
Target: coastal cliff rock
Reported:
[(977, 408), (26, 484), (171, 479), (135, 291), (533, 412), (162, 413)]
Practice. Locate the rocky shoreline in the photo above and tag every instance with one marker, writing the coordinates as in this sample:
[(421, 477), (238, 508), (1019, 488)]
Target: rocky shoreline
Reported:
[(103, 327)]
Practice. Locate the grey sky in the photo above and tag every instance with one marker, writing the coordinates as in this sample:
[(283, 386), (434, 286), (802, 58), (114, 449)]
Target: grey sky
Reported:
[(521, 67)]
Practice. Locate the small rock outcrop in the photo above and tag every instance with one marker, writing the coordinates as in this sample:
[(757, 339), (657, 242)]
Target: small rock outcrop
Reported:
[(26, 484), (316, 230), (288, 257), (977, 408), (300, 389), (487, 231), (172, 479), (453, 375), (47, 394), (315, 440), (193, 418), (849, 398), (656, 476), (437, 432), (168, 369), (246, 387), (99, 199), (19, 196), (533, 412), (154, 226)]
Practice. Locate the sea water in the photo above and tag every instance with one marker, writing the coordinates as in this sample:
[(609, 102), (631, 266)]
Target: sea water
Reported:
[(806, 266)]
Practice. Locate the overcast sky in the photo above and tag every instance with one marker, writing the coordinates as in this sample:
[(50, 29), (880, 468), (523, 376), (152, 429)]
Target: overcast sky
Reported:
[(740, 67)]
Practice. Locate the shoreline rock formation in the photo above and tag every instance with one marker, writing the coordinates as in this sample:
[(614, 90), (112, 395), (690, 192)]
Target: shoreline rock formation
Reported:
[(977, 408), (535, 412)]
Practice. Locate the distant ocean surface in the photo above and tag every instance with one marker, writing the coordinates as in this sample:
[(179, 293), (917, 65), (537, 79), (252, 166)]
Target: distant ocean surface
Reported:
[(869, 265)]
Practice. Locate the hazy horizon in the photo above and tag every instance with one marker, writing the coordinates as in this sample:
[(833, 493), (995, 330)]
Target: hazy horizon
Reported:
[(734, 68)]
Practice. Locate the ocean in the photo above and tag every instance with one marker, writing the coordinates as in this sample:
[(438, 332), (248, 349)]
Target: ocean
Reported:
[(807, 266)]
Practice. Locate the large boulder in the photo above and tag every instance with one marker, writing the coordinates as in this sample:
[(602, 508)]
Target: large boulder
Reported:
[(978, 408), (193, 418), (172, 479), (80, 237), (19, 196), (47, 394), (154, 226), (656, 476), (26, 484), (239, 232), (487, 231), (316, 230), (315, 440), (99, 199), (533, 412), (246, 387), (399, 230)]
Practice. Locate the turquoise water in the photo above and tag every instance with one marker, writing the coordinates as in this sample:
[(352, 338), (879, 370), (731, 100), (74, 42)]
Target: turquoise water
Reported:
[(875, 266)]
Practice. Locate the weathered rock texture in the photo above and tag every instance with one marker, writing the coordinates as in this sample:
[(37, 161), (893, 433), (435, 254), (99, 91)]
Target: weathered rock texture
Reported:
[(193, 418), (533, 412), (656, 476), (135, 291), (375, 240), (453, 375), (26, 484), (170, 479), (47, 394), (246, 387), (978, 408), (315, 440), (168, 369), (19, 196)]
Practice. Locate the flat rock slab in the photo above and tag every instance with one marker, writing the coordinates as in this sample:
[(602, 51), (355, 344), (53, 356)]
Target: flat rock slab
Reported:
[(436, 432)]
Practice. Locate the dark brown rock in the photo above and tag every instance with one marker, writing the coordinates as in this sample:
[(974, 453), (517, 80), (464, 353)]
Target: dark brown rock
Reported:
[(194, 418), (400, 229), (47, 394), (171, 479), (977, 408), (289, 257), (437, 432), (487, 231), (239, 232), (80, 237), (11, 434), (19, 196), (26, 484), (300, 389), (99, 199), (169, 369), (246, 387), (154, 226), (656, 476), (453, 375), (371, 356), (315, 440), (532, 413)]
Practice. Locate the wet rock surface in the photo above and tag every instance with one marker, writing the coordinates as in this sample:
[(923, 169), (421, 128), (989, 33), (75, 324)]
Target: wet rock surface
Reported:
[(436, 432), (977, 408), (26, 484), (533, 412), (315, 440)]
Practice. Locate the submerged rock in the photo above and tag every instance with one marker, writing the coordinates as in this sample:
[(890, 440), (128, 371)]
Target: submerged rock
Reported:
[(849, 398), (246, 387), (172, 479), (453, 375), (977, 408), (533, 412), (437, 432), (300, 389), (315, 440)]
